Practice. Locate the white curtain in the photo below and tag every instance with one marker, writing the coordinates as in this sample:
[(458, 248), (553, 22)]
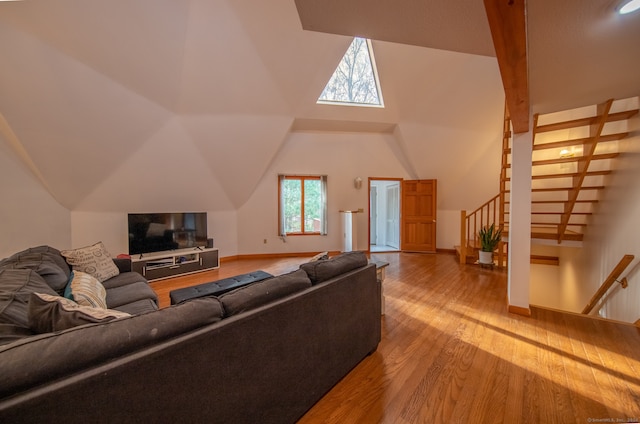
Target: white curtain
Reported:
[(323, 193), (281, 205)]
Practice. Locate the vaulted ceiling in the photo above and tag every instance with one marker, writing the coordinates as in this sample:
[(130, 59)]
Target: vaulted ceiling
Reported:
[(110, 99)]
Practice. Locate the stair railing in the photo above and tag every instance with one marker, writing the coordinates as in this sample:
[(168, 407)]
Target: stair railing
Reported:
[(470, 224), (611, 279)]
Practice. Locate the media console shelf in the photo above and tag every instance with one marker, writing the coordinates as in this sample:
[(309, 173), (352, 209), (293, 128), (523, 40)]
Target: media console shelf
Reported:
[(158, 265)]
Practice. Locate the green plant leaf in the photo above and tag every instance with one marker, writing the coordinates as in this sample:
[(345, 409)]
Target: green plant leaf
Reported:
[(489, 237)]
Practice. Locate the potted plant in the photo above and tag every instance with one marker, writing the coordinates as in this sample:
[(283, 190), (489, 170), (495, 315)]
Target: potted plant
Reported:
[(489, 238)]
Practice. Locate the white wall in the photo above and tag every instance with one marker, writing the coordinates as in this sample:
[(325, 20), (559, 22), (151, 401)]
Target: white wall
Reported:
[(615, 231), (448, 229), (29, 215), (340, 156), (32, 217), (557, 286)]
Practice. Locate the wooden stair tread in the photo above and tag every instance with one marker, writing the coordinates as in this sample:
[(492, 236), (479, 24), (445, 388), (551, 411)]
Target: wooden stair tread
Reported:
[(558, 201), (554, 224), (567, 175), (575, 142), (601, 156), (554, 213), (538, 190), (550, 233), (545, 260), (579, 141), (612, 117)]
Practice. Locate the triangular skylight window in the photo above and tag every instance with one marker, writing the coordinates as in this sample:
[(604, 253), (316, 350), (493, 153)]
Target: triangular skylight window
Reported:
[(355, 80)]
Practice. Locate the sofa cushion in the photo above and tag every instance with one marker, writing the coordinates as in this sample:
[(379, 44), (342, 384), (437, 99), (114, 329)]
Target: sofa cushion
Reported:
[(133, 292), (16, 286), (319, 271), (86, 290), (138, 307), (94, 260), (257, 294), (217, 288), (24, 365), (55, 313), (48, 265), (123, 279), (10, 333)]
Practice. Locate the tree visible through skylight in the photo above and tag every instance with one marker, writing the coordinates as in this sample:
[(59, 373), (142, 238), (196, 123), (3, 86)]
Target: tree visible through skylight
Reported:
[(355, 80)]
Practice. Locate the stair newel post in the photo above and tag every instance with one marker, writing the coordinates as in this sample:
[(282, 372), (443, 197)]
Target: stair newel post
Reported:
[(463, 237)]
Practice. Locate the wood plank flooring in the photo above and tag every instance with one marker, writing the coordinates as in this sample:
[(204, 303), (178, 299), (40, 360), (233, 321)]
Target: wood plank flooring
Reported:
[(451, 353)]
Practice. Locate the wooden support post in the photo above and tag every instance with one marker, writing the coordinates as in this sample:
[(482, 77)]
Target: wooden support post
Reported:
[(463, 237)]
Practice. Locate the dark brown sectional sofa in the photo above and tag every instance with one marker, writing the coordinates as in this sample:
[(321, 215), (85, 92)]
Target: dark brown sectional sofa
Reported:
[(263, 353)]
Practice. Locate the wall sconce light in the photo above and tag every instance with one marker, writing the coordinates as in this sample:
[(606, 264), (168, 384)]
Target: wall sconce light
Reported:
[(357, 183), (565, 153)]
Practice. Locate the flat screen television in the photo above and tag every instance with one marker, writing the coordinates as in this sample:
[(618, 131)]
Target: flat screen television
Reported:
[(156, 232)]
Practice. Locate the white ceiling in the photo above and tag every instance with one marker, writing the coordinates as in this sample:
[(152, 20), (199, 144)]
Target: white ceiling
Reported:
[(107, 98), (581, 52)]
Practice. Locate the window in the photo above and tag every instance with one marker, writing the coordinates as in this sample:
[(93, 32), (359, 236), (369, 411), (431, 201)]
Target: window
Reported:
[(302, 205), (355, 80)]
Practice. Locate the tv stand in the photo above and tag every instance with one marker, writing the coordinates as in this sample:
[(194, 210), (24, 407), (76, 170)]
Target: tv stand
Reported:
[(159, 265)]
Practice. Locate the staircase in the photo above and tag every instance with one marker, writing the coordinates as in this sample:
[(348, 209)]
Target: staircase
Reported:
[(572, 155)]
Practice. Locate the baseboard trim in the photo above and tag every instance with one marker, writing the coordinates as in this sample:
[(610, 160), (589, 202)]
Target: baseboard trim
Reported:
[(447, 251), (519, 310), (275, 255), (309, 254)]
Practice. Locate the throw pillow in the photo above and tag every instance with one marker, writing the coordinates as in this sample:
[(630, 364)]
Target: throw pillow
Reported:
[(86, 290), (54, 313), (94, 260), (322, 256)]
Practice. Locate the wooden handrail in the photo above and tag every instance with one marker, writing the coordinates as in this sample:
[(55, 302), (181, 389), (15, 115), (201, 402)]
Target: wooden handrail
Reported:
[(470, 224), (606, 285)]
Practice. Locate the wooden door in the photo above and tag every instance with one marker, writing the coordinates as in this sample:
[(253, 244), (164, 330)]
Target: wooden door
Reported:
[(418, 222)]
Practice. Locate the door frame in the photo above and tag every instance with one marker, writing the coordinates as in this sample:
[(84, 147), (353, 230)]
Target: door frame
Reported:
[(399, 180)]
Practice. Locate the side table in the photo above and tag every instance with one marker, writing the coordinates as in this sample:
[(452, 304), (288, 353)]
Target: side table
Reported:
[(381, 274)]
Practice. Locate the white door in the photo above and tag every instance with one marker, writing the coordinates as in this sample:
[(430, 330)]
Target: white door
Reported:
[(373, 218), (393, 216)]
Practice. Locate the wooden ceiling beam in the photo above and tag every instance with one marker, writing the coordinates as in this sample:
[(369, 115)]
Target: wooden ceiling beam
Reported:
[(507, 21)]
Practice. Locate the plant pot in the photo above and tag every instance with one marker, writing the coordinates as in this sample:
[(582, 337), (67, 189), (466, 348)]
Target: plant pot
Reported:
[(485, 257)]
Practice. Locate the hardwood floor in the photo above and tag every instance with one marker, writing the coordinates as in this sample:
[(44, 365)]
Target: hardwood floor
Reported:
[(450, 352)]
